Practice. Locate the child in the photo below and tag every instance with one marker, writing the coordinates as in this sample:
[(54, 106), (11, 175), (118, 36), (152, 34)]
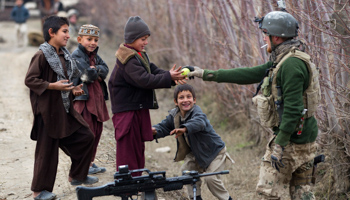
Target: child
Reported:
[(56, 123), (72, 16), (46, 8), (198, 145), (131, 87), (92, 104), (20, 15)]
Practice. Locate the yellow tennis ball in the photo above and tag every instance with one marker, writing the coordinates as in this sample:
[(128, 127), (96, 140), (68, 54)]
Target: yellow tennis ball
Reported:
[(185, 71)]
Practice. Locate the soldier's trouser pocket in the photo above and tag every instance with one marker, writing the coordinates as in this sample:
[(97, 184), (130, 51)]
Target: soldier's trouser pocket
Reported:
[(303, 175)]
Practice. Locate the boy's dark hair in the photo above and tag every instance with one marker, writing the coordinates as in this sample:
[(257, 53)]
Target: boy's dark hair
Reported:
[(184, 87), (55, 23)]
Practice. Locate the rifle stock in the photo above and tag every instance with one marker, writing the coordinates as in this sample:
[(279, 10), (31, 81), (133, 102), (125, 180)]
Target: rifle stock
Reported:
[(87, 193), (125, 186)]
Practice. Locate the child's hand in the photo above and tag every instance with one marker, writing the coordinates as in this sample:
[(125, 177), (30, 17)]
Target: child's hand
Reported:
[(99, 78), (154, 131), (61, 85), (178, 132), (77, 91), (176, 75)]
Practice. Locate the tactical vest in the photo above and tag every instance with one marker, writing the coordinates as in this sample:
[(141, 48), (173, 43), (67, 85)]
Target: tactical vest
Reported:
[(270, 103)]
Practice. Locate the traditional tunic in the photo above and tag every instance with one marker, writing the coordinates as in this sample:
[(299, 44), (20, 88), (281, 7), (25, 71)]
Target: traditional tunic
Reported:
[(132, 129), (131, 87), (54, 128), (92, 106)]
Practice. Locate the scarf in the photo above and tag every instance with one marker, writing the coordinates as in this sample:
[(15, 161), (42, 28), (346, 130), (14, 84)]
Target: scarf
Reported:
[(56, 65), (282, 49)]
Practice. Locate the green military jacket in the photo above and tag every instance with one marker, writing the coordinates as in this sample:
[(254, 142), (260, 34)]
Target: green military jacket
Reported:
[(295, 78)]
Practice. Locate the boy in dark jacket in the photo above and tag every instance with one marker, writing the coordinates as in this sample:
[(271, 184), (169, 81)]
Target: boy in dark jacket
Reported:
[(131, 86), (56, 123), (94, 70), (20, 15), (198, 144)]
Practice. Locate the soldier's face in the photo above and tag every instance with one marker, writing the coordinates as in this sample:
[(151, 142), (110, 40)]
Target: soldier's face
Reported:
[(268, 42)]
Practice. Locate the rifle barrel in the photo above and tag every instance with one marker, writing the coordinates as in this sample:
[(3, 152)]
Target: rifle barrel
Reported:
[(215, 173)]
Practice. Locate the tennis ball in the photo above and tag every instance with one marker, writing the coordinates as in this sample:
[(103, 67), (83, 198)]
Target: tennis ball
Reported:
[(185, 71)]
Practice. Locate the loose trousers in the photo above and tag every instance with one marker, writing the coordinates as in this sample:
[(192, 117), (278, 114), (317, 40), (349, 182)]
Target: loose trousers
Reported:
[(21, 33), (214, 183), (297, 159), (78, 146), (132, 129), (96, 127)]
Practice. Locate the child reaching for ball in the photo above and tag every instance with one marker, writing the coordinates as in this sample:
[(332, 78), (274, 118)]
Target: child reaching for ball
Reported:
[(131, 87), (199, 146)]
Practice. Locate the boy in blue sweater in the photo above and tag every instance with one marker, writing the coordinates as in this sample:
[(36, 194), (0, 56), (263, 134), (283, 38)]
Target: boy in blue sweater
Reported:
[(20, 15), (198, 144)]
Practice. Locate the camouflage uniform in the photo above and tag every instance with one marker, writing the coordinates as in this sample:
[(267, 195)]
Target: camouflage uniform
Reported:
[(289, 84), (293, 180)]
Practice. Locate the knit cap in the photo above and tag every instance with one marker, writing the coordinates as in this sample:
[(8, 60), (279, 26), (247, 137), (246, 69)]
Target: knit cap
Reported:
[(89, 29), (72, 12), (135, 28)]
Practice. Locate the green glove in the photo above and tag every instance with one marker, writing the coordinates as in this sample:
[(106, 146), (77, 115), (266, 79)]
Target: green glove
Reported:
[(276, 157), (198, 72)]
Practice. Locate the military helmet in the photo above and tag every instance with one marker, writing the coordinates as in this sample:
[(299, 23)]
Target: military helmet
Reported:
[(279, 23)]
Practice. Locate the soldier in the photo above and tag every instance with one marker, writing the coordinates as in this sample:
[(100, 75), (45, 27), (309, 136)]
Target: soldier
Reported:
[(290, 93)]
